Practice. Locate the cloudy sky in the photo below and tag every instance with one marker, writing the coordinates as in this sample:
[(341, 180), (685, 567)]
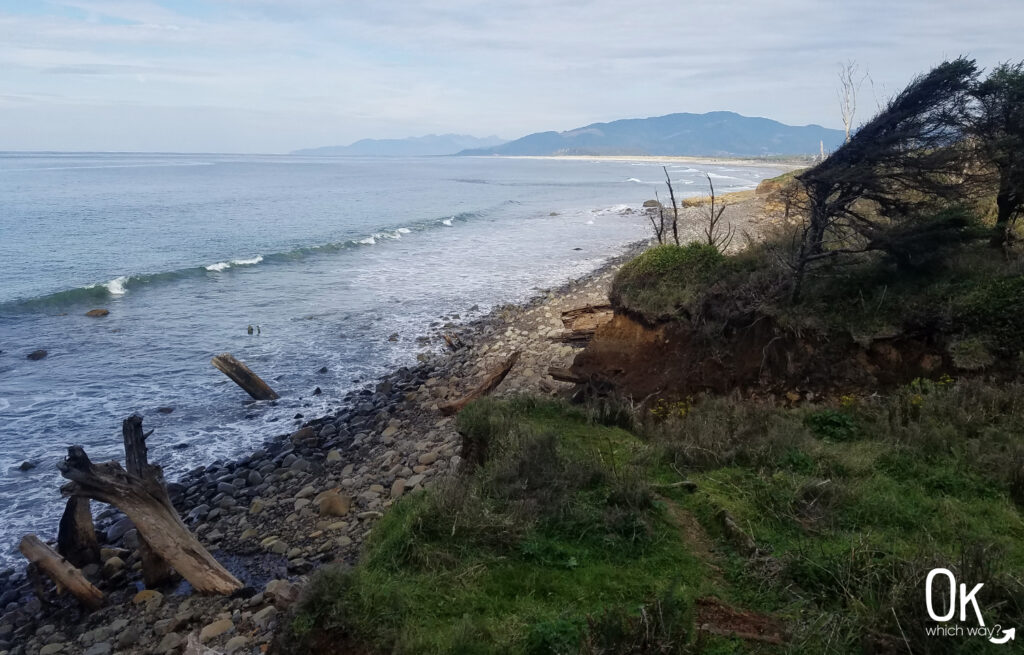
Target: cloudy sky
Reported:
[(276, 75)]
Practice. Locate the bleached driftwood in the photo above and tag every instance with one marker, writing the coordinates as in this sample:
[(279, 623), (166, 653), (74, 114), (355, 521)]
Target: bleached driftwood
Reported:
[(488, 385), (243, 376), (61, 571), (145, 501)]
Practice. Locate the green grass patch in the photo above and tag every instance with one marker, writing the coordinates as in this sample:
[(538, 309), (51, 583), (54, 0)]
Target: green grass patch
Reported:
[(564, 536)]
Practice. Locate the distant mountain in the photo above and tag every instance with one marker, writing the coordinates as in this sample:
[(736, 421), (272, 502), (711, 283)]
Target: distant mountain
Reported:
[(718, 133), (431, 144)]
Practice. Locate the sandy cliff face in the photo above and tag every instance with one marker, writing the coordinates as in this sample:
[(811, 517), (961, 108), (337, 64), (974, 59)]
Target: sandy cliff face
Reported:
[(673, 360)]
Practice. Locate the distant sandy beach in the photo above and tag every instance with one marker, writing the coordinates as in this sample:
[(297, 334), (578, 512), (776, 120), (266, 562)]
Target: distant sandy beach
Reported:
[(786, 164)]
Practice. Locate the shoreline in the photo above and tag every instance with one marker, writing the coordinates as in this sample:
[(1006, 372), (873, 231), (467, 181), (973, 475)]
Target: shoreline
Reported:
[(785, 164), (306, 498)]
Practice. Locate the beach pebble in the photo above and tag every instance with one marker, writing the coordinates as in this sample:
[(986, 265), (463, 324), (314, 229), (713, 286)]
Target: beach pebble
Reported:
[(213, 630)]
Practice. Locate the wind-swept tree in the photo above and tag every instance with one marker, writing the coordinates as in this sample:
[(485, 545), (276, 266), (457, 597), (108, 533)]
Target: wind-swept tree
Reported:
[(998, 130), (895, 169)]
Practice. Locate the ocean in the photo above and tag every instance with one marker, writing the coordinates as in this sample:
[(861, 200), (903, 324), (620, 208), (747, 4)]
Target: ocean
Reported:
[(337, 264)]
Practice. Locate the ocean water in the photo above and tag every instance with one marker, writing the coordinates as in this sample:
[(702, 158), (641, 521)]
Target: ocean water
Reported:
[(328, 257)]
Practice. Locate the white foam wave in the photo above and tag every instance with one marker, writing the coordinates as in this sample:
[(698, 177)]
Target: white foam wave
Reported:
[(447, 222), (220, 267), (404, 230), (633, 179), (116, 286), (369, 241)]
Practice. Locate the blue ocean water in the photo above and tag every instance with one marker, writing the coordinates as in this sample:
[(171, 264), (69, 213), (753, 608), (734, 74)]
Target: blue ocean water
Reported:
[(329, 257)]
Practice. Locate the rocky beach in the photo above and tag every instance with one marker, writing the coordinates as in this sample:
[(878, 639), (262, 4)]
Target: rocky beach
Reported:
[(307, 498)]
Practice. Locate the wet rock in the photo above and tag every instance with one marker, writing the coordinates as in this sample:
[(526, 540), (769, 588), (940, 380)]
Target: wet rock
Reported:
[(304, 437), (333, 456), (317, 391), (36, 355), (97, 313), (323, 370), (27, 465), (116, 531), (165, 410)]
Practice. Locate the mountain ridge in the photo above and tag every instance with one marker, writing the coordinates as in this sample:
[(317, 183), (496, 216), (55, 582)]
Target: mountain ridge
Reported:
[(718, 133), (430, 144)]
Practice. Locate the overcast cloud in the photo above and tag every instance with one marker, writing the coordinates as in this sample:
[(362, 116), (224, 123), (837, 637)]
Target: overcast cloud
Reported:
[(276, 75)]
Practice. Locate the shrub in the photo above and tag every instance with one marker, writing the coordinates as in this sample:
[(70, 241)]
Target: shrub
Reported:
[(661, 282)]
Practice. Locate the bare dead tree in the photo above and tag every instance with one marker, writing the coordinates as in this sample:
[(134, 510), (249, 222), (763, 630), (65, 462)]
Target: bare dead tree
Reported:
[(717, 235), (849, 86), (659, 225), (675, 207)]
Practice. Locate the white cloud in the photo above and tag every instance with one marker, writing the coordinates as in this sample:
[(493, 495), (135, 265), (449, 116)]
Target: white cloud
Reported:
[(311, 72)]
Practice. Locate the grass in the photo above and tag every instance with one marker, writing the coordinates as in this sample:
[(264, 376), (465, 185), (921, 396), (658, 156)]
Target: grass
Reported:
[(552, 540), (564, 538)]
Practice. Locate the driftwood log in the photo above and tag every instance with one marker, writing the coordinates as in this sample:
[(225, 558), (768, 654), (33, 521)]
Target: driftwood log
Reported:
[(578, 337), (488, 385), (76, 536), (589, 317), (61, 571), (145, 501), (155, 569), (243, 376), (565, 375)]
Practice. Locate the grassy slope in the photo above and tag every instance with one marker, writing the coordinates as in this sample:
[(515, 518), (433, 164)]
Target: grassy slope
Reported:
[(849, 503)]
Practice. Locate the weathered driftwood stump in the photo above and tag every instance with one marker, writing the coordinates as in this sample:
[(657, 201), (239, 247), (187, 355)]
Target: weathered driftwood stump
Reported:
[(155, 569), (76, 536), (243, 376), (62, 572), (488, 385), (143, 498)]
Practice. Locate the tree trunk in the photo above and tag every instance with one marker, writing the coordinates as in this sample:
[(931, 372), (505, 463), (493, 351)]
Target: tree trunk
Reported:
[(241, 375), (145, 501), (1004, 209), (76, 536), (155, 570), (62, 572), (488, 385)]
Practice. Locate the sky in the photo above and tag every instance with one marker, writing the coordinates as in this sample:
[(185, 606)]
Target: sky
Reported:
[(270, 76)]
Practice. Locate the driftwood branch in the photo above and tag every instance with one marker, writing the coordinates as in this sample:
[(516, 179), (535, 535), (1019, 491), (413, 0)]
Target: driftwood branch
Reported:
[(565, 375), (577, 337), (61, 571), (145, 501), (488, 385), (243, 376)]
